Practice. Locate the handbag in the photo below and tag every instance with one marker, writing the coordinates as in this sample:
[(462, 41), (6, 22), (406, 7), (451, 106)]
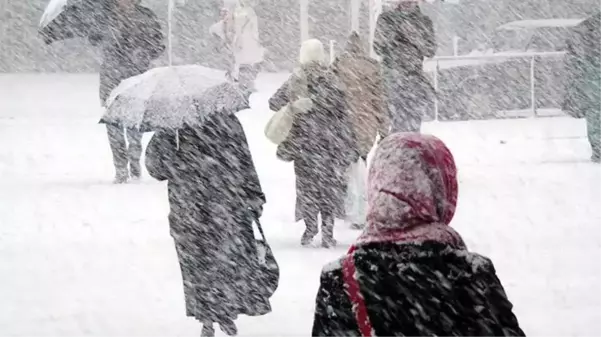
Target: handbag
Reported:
[(269, 270), (279, 125)]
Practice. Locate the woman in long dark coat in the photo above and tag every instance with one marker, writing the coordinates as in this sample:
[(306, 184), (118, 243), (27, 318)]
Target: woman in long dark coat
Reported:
[(410, 273), (322, 145), (214, 196)]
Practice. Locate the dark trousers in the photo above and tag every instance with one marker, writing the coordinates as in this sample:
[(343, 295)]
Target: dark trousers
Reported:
[(327, 224), (125, 152)]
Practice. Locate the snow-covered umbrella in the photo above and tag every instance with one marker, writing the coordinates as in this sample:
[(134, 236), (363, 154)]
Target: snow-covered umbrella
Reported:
[(66, 19), (169, 97)]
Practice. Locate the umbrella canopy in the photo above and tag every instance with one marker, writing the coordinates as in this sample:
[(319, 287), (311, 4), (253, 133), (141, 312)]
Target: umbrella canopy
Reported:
[(169, 97), (66, 19)]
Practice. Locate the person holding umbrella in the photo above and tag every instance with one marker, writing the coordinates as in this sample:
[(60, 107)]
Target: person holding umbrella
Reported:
[(200, 149), (130, 38)]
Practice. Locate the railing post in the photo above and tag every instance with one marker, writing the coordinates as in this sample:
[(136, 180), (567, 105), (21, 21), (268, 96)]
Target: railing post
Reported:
[(532, 87), (436, 92)]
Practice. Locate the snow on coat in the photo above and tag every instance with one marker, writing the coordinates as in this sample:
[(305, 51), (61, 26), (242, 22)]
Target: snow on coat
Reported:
[(214, 196), (292, 98), (410, 274), (403, 39), (322, 145), (583, 85), (129, 44), (362, 81)]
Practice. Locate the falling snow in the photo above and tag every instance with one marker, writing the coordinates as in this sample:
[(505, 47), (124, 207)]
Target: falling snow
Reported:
[(296, 167)]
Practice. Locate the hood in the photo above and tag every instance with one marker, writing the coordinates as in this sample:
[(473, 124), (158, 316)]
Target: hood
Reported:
[(412, 188), (355, 45), (312, 51)]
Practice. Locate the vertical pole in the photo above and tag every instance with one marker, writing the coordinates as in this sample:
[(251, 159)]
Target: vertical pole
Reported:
[(375, 8), (532, 87), (332, 54), (436, 92), (355, 12), (455, 45), (169, 31), (304, 20)]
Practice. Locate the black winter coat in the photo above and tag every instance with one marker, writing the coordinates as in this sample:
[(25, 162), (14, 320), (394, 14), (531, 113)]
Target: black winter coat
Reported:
[(322, 145), (417, 290), (583, 57), (129, 42), (214, 196), (403, 40)]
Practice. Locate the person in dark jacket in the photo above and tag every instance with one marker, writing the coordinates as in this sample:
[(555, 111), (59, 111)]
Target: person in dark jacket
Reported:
[(322, 145), (410, 273), (130, 38), (404, 36), (583, 90), (214, 197)]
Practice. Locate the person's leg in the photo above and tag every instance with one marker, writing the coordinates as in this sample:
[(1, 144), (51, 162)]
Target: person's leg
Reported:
[(311, 228), (134, 152), (207, 330), (327, 230), (228, 327), (116, 136)]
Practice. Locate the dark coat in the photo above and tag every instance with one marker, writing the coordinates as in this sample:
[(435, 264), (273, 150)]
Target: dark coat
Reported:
[(403, 40), (128, 43), (582, 66), (214, 196), (417, 290), (322, 145)]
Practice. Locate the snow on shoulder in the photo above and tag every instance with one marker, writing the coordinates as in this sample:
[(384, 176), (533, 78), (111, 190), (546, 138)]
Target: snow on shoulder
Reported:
[(334, 265)]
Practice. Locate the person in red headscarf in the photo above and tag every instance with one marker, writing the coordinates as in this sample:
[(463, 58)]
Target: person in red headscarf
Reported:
[(410, 273)]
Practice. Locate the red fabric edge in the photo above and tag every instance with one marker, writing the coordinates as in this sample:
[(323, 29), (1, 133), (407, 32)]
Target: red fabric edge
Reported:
[(354, 292)]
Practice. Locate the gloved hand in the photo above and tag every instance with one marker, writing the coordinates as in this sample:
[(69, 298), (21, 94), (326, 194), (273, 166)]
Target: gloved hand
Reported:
[(256, 209)]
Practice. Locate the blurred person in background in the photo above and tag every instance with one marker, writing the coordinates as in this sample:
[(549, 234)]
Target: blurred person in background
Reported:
[(404, 36), (362, 82), (320, 142), (239, 31), (583, 90), (130, 41)]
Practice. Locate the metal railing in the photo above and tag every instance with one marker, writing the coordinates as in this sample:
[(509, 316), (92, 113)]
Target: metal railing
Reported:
[(435, 65)]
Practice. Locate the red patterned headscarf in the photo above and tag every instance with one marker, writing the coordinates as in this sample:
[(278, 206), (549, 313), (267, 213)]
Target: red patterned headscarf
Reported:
[(412, 191)]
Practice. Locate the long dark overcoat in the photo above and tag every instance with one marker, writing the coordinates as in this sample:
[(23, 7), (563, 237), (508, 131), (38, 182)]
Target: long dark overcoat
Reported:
[(403, 40), (322, 145), (214, 196), (128, 42)]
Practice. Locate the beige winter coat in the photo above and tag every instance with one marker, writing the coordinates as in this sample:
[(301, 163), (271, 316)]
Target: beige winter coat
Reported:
[(362, 82)]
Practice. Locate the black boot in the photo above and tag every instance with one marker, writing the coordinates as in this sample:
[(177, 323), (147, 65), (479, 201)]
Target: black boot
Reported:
[(135, 170), (229, 327), (207, 330), (121, 176), (310, 231)]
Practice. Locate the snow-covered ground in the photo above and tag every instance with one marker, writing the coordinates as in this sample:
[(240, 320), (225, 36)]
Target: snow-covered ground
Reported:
[(80, 256)]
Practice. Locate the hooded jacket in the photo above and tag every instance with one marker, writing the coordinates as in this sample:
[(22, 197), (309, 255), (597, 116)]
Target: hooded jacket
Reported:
[(410, 273)]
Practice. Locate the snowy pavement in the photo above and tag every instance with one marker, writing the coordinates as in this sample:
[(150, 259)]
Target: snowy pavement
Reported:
[(80, 256)]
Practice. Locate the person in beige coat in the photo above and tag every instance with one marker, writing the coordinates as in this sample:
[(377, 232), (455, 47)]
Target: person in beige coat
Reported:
[(363, 84)]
